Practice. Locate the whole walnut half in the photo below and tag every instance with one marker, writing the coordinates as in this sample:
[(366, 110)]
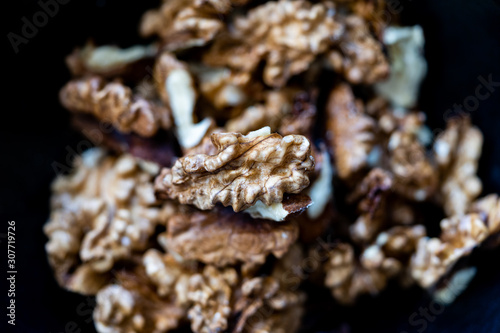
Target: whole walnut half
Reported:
[(257, 167)]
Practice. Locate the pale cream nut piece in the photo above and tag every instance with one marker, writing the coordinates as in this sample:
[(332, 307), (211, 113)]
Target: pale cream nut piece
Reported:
[(176, 88), (259, 166), (107, 60), (408, 65)]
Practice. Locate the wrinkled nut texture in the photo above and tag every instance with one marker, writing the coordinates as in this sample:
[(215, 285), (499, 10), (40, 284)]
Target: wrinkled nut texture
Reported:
[(457, 151), (224, 238), (392, 249), (489, 209), (134, 309), (373, 191), (257, 116), (351, 131), (436, 256), (286, 34), (183, 24), (115, 103), (101, 213), (259, 166), (170, 278), (415, 176), (210, 292), (347, 279)]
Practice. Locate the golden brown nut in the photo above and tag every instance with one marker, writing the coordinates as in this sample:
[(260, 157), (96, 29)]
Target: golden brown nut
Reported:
[(392, 250), (360, 58), (102, 213), (267, 306), (436, 256), (183, 24), (489, 208), (224, 238), (373, 190), (271, 303), (132, 306), (211, 292), (351, 131), (347, 279), (457, 151), (115, 103), (389, 257), (258, 167), (286, 34), (415, 175), (170, 278)]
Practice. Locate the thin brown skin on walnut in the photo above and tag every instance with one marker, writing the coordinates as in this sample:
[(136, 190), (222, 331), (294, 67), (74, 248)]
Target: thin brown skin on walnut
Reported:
[(221, 237)]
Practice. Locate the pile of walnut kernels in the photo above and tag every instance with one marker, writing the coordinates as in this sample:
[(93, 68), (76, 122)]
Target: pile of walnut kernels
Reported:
[(231, 131)]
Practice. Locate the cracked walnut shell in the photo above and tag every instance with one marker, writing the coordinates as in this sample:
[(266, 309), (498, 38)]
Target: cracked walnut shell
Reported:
[(258, 167)]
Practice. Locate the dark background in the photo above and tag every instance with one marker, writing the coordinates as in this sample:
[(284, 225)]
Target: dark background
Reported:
[(462, 43)]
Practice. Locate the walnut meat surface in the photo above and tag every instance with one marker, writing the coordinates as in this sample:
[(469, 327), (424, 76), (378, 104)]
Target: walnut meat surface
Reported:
[(222, 238), (286, 34), (101, 213), (457, 152), (351, 131), (115, 103), (259, 166), (185, 23), (359, 58), (436, 256), (132, 306)]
